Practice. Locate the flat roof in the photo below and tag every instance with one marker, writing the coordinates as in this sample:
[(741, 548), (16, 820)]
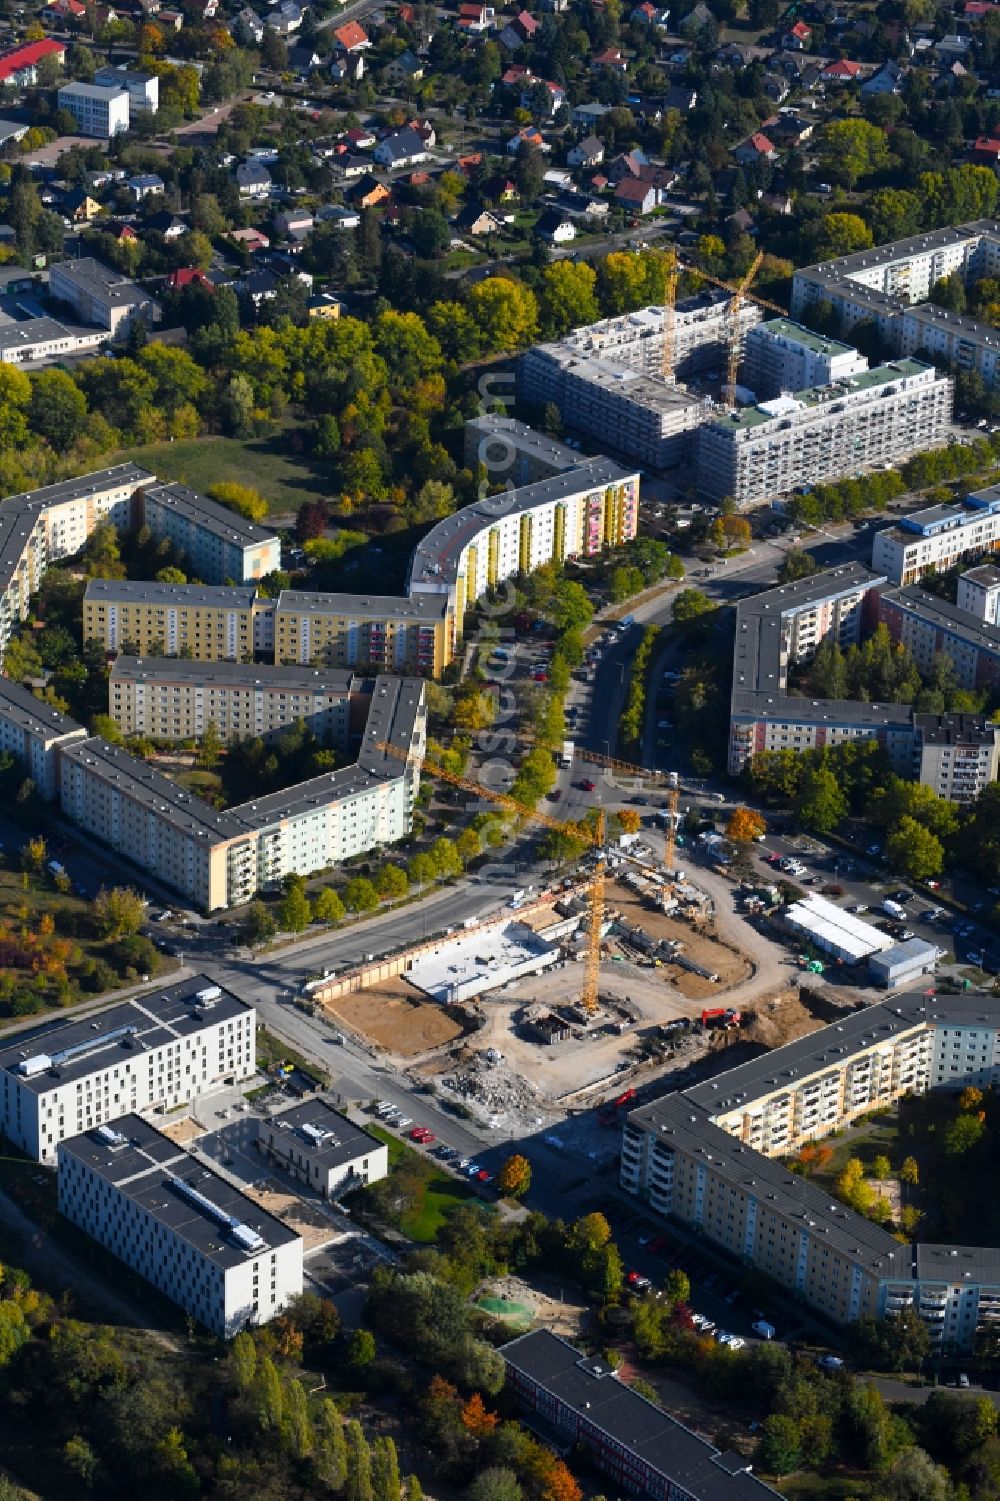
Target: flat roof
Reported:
[(331, 1139), (523, 439), (143, 784), (986, 576), (947, 617), (182, 596), (434, 563), (20, 513), (797, 333), (911, 950), (831, 924), (420, 607), (956, 729), (75, 1048), (817, 398), (260, 676), (848, 266), (92, 90), (589, 1386), (613, 376), (202, 511), (185, 1195), (20, 706), (100, 280)]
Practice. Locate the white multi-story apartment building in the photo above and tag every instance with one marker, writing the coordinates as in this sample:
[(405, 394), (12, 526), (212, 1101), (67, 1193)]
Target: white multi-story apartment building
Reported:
[(642, 416), (889, 286), (154, 1052), (222, 859), (859, 423), (956, 754), (143, 88), (785, 356), (173, 698), (98, 111), (709, 1157), (34, 732), (221, 545), (702, 330), (979, 593), (313, 1143), (939, 536), (206, 1246), (101, 296)]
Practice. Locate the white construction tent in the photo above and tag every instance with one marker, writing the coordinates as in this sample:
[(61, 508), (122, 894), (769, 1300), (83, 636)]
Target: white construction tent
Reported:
[(828, 927), (463, 967)]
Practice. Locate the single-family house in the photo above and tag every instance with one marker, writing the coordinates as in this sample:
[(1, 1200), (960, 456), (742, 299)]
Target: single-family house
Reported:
[(293, 222), (627, 164), (303, 58), (258, 286), (776, 87), (404, 148), (189, 276), (326, 305), (368, 192), (756, 148), (19, 65), (250, 24), (406, 68), (635, 196), (586, 116), (286, 18), (681, 97), (528, 135), (586, 153), (473, 219), (359, 138), (953, 48), (843, 71), (144, 185), (63, 12), (555, 227), (886, 80), (778, 203), (797, 38), (253, 180), (347, 67), (78, 207), (475, 19), (518, 31), (516, 75), (986, 150), (252, 240), (554, 96), (339, 216), (499, 189), (351, 37), (581, 204), (610, 60), (170, 226)]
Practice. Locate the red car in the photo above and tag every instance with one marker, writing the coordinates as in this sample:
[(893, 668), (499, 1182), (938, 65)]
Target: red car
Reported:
[(483, 1176), (420, 1133), (657, 1244), (587, 785)]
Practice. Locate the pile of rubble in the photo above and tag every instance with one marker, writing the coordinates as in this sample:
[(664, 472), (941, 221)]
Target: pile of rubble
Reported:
[(490, 1087)]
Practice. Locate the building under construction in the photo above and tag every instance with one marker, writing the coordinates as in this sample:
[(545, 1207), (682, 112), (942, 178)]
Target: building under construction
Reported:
[(864, 421), (702, 331)]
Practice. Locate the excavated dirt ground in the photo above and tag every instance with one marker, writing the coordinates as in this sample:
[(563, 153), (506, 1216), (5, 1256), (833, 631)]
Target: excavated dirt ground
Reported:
[(397, 1017), (732, 968)]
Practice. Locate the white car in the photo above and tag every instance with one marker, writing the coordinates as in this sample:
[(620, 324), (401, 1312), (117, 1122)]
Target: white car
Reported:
[(403, 1122), (735, 1342)]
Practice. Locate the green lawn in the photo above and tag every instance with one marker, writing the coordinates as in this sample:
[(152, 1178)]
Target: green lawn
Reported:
[(268, 464), (438, 1193), (806, 1486)]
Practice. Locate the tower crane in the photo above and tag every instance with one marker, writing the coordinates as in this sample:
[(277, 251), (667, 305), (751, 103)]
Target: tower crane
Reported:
[(670, 314), (736, 302), (590, 835)]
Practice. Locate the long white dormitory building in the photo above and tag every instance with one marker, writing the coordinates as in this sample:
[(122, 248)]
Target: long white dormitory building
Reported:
[(154, 1051), (203, 1243)]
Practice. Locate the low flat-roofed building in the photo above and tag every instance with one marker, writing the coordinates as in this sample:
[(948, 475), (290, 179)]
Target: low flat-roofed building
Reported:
[(222, 546), (173, 698), (34, 731), (902, 963), (833, 930), (317, 1145), (203, 1243), (156, 1051), (100, 295), (34, 341), (644, 1450)]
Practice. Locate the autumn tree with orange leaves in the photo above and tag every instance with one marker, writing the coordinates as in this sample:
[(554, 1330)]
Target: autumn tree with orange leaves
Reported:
[(477, 1418), (745, 825)]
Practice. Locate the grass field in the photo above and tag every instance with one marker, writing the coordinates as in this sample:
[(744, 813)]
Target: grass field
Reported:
[(436, 1192), (805, 1486), (268, 464)]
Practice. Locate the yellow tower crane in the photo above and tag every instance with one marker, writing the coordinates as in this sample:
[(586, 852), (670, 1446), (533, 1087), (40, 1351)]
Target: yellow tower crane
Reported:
[(672, 272), (592, 836), (736, 303)]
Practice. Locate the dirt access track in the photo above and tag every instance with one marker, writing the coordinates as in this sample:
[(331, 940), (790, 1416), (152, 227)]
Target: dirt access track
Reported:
[(394, 1015), (731, 967)]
